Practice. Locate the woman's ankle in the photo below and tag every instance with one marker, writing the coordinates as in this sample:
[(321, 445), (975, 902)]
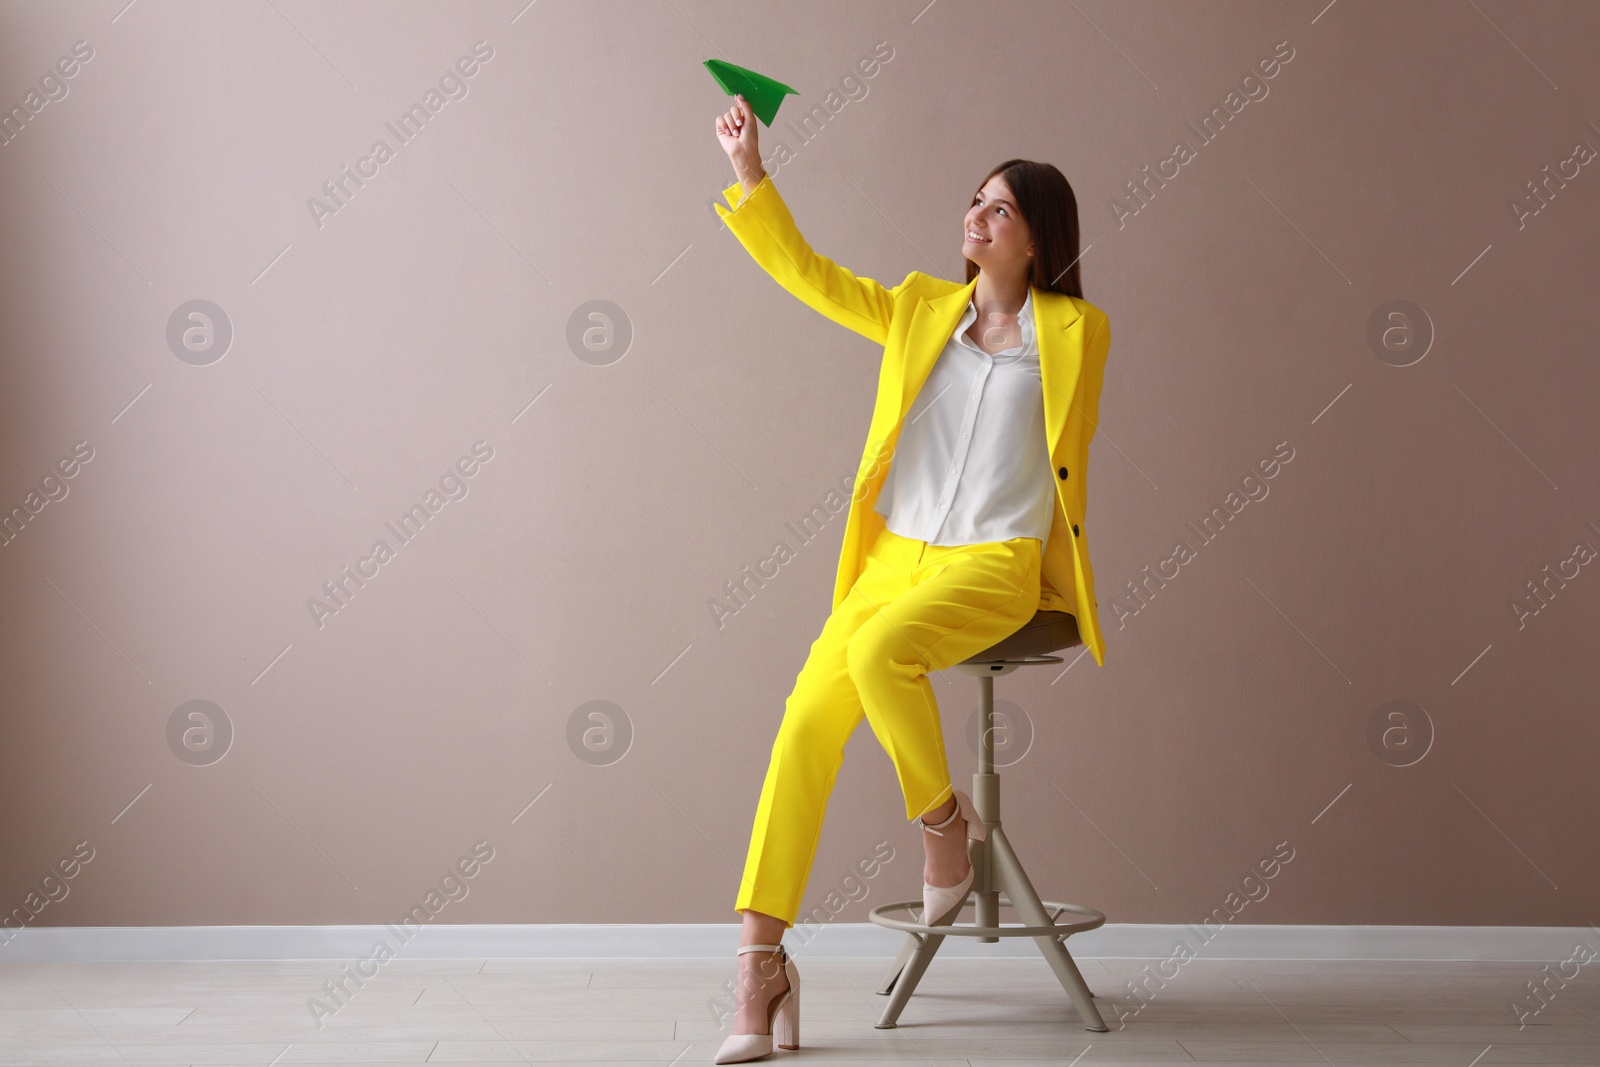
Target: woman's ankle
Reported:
[(941, 813), (761, 929), (764, 969)]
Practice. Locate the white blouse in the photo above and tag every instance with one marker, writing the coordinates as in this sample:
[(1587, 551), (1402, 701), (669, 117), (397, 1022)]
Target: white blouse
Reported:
[(972, 463)]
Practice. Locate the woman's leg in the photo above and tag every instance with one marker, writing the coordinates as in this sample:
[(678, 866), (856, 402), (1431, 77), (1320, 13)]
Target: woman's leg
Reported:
[(962, 600), (819, 716)]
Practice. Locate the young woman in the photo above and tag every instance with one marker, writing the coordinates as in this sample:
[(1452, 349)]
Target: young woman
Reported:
[(967, 518)]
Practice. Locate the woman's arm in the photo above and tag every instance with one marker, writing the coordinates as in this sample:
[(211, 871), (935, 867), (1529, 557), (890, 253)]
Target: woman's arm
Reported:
[(761, 221)]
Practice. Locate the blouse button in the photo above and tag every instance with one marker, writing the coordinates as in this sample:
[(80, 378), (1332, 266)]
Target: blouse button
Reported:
[(1063, 474)]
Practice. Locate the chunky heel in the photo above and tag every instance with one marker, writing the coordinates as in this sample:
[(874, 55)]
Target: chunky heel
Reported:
[(786, 1026)]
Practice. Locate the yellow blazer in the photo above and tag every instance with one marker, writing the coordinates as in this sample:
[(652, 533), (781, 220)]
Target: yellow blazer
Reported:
[(913, 321)]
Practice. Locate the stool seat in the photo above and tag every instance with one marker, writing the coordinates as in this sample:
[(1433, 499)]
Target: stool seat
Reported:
[(1047, 631)]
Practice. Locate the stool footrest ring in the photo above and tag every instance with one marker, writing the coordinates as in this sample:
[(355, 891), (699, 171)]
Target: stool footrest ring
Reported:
[(1090, 920)]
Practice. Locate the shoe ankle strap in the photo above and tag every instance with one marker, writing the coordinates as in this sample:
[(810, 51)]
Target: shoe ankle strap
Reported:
[(759, 948)]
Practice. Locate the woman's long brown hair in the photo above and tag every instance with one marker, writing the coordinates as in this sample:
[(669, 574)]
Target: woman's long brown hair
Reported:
[(1048, 205)]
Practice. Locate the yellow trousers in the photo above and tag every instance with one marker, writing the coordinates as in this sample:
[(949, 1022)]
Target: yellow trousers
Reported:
[(915, 608)]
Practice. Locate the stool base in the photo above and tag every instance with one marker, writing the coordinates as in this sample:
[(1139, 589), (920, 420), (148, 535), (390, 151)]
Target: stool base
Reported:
[(998, 874)]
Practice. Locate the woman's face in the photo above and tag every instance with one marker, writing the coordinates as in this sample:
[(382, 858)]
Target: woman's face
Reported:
[(996, 236)]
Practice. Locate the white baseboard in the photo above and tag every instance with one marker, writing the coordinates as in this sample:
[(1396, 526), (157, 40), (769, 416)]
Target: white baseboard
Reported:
[(53, 944)]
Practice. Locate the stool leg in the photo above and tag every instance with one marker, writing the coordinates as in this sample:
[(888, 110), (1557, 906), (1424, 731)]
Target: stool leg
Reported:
[(899, 964), (985, 889), (986, 799), (909, 977), (1009, 874)]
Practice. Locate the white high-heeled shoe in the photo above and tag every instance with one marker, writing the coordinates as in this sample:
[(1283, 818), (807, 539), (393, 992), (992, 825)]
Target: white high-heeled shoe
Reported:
[(783, 1017), (944, 902)]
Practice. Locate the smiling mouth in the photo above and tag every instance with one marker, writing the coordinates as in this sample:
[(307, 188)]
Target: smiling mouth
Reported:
[(973, 238)]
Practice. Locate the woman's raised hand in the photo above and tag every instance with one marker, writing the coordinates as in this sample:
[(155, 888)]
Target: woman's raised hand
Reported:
[(736, 132)]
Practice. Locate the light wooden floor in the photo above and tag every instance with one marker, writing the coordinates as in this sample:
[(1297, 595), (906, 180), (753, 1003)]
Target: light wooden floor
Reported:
[(967, 1011)]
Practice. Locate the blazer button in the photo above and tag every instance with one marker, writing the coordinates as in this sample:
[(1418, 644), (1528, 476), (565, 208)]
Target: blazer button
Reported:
[(1063, 474), (1074, 529)]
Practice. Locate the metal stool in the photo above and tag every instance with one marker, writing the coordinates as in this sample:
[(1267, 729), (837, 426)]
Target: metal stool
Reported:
[(999, 879)]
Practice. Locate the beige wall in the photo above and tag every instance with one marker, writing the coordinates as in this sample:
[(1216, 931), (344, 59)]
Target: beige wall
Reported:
[(574, 558)]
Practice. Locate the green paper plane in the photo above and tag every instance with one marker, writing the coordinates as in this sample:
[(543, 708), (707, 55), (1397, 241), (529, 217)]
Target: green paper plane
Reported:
[(763, 93)]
